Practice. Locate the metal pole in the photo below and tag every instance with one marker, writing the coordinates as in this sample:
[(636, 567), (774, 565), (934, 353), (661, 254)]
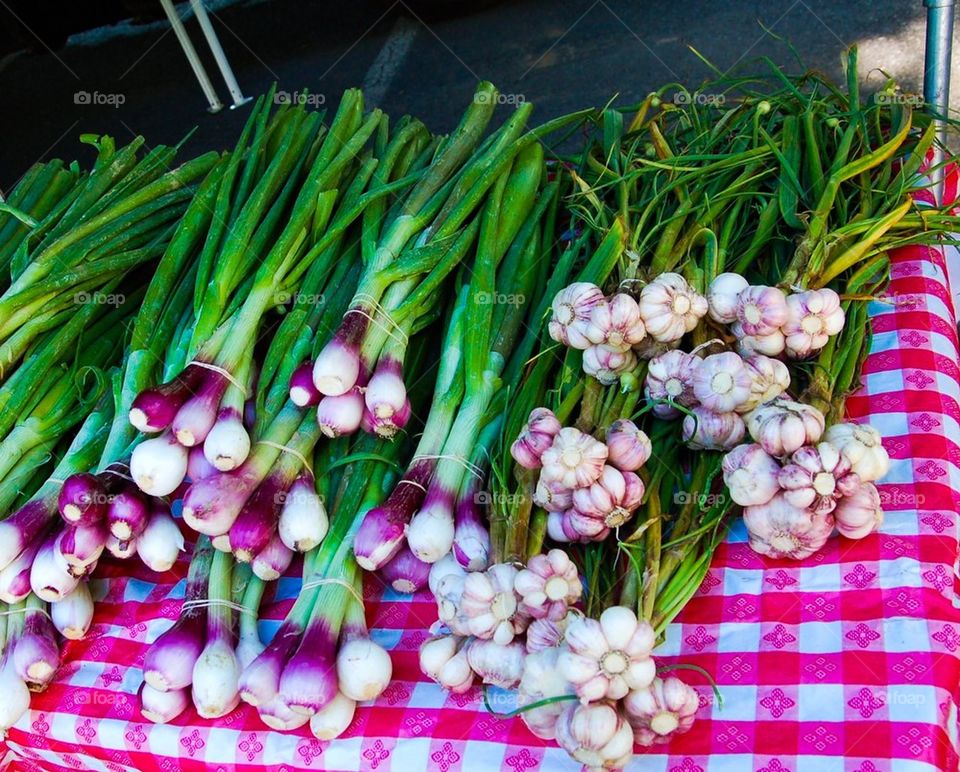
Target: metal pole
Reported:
[(208, 91), (214, 42), (936, 79)]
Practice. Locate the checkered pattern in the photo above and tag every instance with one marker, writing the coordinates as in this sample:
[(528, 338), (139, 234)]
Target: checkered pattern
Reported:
[(849, 661)]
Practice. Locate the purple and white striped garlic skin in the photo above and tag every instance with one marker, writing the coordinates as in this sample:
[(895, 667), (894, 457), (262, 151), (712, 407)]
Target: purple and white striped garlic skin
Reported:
[(816, 477), (547, 633), (706, 430), (859, 514), (572, 307), (552, 496), (607, 503), (548, 586), (761, 310), (722, 297), (628, 446), (607, 364), (813, 317), (783, 426), (542, 680), (670, 307), (721, 382), (535, 437), (659, 712), (561, 530), (595, 735), (771, 378), (609, 656), (490, 604), (778, 529), (616, 323), (670, 377), (574, 460), (750, 475)]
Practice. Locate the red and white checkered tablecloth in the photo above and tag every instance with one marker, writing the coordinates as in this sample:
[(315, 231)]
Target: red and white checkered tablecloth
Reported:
[(849, 661)]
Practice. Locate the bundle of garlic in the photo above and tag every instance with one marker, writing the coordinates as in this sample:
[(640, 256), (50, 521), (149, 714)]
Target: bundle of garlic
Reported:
[(797, 483), (590, 684), (587, 486)]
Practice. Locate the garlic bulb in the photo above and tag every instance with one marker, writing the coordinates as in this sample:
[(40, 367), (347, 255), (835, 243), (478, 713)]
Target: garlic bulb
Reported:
[(595, 735), (815, 477), (670, 307), (489, 604), (771, 378), (860, 513), (780, 530), (572, 307), (606, 364), (812, 317), (616, 323), (782, 426), (456, 675), (436, 652), (607, 503), (761, 310), (606, 658), (497, 664), (862, 446), (574, 460), (750, 345), (552, 496), (546, 633), (542, 680), (750, 475), (722, 382), (628, 446), (535, 437), (560, 529), (706, 430), (663, 710), (670, 378), (722, 297), (548, 586)]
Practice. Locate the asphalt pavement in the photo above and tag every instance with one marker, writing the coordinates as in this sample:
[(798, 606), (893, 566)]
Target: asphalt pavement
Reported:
[(559, 54)]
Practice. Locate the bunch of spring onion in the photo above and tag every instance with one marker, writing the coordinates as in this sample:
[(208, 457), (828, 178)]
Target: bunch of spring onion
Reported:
[(320, 661), (434, 509), (39, 590), (408, 249), (272, 207)]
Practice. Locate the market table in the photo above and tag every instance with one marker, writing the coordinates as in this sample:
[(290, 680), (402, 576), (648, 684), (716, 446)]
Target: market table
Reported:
[(848, 661)]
